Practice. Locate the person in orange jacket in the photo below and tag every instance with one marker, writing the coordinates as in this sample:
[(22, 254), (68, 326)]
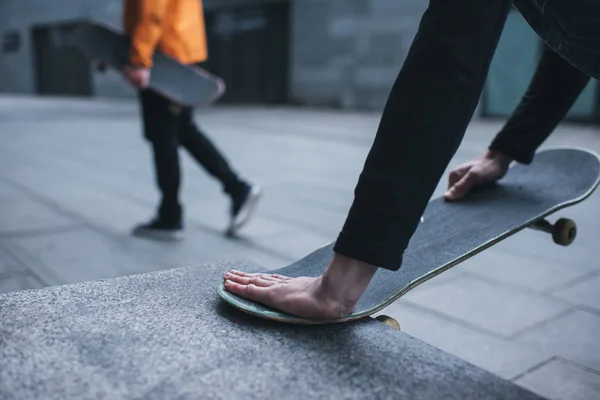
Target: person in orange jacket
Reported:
[(176, 28)]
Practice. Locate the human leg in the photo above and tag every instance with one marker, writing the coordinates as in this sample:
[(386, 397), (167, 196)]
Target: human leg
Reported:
[(244, 195), (161, 123)]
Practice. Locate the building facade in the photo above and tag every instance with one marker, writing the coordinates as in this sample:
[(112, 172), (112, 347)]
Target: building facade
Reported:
[(338, 53)]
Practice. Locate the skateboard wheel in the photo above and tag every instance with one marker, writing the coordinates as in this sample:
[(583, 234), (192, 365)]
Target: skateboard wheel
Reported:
[(388, 321), (564, 231)]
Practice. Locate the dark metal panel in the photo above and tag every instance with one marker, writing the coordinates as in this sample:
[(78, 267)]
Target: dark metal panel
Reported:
[(60, 68), (249, 48)]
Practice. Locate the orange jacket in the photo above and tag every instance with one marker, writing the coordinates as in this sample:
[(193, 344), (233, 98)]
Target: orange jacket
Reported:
[(175, 27)]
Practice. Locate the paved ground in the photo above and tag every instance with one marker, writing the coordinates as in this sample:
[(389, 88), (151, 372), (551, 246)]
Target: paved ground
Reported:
[(75, 177)]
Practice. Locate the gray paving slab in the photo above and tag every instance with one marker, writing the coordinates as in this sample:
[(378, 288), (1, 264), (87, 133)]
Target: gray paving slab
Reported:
[(573, 336), (499, 356), (18, 282), (558, 380), (7, 192), (72, 256), (8, 264), (532, 274), (307, 213), (585, 291), (166, 334), (75, 256), (495, 309), (294, 243), (18, 215)]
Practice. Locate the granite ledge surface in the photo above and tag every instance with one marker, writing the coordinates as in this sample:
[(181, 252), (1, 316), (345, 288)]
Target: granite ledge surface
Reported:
[(167, 335)]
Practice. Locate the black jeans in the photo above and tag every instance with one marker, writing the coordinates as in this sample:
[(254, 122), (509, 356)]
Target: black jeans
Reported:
[(166, 126), (424, 120), (553, 90)]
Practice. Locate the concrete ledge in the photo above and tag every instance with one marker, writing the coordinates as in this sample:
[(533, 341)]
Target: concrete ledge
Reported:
[(166, 335)]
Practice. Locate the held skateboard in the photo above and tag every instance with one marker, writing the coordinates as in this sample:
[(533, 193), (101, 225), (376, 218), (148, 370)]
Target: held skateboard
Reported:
[(452, 232), (183, 84)]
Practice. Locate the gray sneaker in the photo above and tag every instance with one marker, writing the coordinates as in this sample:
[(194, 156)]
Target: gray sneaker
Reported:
[(242, 207)]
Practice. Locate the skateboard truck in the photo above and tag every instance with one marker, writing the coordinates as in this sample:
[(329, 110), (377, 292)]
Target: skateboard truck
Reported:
[(388, 321), (563, 231)]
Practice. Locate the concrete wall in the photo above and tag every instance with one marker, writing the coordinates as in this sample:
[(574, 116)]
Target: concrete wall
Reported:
[(347, 53)]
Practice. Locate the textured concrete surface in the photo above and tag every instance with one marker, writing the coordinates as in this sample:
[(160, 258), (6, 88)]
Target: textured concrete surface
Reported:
[(167, 335), (76, 176)]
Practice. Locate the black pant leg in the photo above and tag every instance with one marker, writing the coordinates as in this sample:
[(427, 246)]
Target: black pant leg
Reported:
[(161, 122), (553, 90), (207, 154), (423, 122)]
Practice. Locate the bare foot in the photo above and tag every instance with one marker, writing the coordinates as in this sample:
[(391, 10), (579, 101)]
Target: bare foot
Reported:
[(331, 295), (486, 168)]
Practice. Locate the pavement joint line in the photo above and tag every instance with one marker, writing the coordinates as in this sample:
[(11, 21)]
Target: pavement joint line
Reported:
[(516, 335), (56, 207), (13, 274), (18, 258), (39, 232), (551, 291), (577, 365), (533, 369), (591, 310)]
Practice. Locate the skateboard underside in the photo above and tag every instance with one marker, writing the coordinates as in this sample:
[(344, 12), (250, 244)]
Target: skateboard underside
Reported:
[(183, 84), (452, 232)]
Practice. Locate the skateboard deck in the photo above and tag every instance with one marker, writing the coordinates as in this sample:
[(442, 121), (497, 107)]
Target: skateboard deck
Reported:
[(452, 232), (183, 84)]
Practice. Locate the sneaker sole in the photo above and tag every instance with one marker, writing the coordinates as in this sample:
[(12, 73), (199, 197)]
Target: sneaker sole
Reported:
[(246, 211), (165, 236)]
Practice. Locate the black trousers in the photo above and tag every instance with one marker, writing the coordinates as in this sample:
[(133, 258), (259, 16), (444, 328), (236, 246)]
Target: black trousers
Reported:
[(424, 120), (166, 126), (553, 90)]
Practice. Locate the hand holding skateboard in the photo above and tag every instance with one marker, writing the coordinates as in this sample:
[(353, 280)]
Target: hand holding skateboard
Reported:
[(487, 168), (138, 77)]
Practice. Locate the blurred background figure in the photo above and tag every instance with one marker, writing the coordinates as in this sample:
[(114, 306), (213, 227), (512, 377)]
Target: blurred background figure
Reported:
[(176, 27)]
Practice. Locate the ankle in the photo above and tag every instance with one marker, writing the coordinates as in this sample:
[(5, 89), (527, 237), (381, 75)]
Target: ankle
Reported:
[(343, 283)]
